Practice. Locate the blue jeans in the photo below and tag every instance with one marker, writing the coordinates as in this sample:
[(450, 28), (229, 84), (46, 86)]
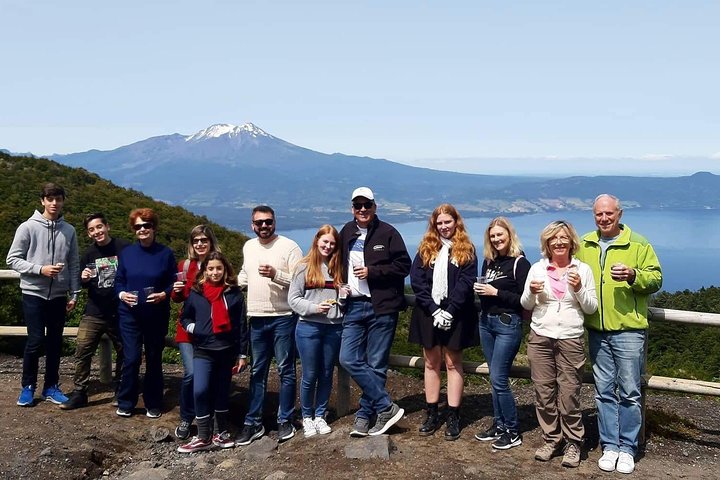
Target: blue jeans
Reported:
[(364, 352), (40, 314), (136, 333), (319, 346), (618, 365), (187, 402), (272, 336), (500, 344), (213, 375)]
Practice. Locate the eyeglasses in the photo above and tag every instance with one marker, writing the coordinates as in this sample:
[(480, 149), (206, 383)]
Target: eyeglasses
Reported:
[(201, 240), (559, 241), (266, 221), (360, 205), (139, 226)]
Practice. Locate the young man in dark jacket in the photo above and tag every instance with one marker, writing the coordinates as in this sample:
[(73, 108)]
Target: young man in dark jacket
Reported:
[(99, 264), (45, 253), (377, 263)]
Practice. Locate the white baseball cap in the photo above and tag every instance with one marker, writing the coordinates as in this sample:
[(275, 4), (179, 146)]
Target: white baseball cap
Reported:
[(362, 192)]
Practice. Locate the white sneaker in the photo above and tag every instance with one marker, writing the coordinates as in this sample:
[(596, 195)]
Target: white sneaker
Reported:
[(321, 426), (608, 460), (309, 429), (625, 463)]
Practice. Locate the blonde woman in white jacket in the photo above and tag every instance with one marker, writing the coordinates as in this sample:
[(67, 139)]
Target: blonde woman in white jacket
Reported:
[(559, 290)]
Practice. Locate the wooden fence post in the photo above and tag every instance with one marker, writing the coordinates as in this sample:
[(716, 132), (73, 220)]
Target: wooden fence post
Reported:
[(342, 393), (643, 392), (106, 361)]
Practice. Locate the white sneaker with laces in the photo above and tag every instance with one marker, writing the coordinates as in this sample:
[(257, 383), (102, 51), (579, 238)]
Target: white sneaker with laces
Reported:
[(309, 429), (608, 460), (625, 463), (321, 426)]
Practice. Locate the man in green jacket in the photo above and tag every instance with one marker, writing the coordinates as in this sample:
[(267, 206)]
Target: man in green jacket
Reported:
[(626, 272)]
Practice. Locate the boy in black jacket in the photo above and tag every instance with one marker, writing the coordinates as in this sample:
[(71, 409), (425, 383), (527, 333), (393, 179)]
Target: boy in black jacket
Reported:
[(99, 264)]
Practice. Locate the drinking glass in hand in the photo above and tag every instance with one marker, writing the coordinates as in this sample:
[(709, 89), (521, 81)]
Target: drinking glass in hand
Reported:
[(148, 291), (134, 293), (93, 269), (616, 271)]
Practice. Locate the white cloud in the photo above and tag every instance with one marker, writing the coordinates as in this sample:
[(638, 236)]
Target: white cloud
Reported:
[(656, 156)]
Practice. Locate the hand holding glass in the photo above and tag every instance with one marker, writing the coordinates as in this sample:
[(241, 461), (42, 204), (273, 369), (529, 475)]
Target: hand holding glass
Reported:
[(149, 291), (537, 284), (479, 285), (92, 270), (131, 297), (617, 272)]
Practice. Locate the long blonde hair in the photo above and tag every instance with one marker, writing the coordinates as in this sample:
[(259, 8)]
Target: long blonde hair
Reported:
[(463, 250), (313, 274), (515, 247)]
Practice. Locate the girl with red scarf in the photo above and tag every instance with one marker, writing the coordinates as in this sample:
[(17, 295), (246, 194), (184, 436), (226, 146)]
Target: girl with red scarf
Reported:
[(214, 315), (201, 242)]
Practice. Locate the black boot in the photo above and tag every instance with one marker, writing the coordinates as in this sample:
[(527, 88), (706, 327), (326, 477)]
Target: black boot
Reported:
[(432, 422), (205, 428), (452, 428), (221, 421), (77, 399)]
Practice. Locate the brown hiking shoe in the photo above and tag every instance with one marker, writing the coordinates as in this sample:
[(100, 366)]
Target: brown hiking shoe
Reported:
[(571, 458), (546, 452)]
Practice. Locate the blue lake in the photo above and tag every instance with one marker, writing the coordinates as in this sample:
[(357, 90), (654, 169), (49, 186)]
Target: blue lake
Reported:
[(687, 242)]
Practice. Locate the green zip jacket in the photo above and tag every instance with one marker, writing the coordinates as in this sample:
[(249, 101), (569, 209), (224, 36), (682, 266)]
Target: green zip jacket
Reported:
[(621, 306)]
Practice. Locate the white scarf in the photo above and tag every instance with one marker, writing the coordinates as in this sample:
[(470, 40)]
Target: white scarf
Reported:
[(440, 272)]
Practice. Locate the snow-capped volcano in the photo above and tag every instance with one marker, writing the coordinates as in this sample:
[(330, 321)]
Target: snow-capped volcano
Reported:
[(224, 170), (230, 131)]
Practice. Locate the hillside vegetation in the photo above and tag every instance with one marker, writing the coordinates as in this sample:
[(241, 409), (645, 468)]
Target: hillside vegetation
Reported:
[(686, 351), (21, 179)]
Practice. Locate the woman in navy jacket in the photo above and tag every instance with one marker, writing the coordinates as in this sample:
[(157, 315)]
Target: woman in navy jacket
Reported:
[(444, 317), (146, 271), (214, 315)]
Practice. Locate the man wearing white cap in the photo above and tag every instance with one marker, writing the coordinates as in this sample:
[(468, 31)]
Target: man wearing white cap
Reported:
[(377, 263)]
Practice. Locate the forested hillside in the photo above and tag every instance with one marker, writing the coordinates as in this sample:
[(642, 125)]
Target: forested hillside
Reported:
[(686, 351), (21, 179)]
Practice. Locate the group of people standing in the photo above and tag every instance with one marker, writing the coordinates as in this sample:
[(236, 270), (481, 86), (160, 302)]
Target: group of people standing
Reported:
[(340, 303), (600, 283)]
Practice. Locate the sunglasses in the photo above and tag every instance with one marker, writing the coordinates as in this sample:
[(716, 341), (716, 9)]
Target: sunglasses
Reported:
[(360, 205), (201, 240), (267, 221), (139, 226)]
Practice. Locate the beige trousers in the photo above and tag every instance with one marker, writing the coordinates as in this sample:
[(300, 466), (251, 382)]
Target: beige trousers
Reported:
[(556, 369)]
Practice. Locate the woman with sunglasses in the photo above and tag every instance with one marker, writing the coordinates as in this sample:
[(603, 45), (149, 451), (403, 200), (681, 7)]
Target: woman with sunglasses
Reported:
[(202, 242), (144, 279), (559, 290)]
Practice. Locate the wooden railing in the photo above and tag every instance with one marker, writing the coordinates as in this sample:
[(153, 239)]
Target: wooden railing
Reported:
[(104, 349)]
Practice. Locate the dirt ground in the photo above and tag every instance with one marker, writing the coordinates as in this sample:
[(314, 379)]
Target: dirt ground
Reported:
[(46, 442)]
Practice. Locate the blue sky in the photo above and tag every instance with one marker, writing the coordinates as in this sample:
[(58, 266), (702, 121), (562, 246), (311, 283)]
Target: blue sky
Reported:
[(452, 84)]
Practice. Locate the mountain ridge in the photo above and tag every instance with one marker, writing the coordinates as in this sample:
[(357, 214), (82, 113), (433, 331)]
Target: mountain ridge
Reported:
[(224, 170)]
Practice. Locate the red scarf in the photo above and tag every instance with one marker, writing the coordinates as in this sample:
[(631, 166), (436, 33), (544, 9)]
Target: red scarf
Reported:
[(218, 310)]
